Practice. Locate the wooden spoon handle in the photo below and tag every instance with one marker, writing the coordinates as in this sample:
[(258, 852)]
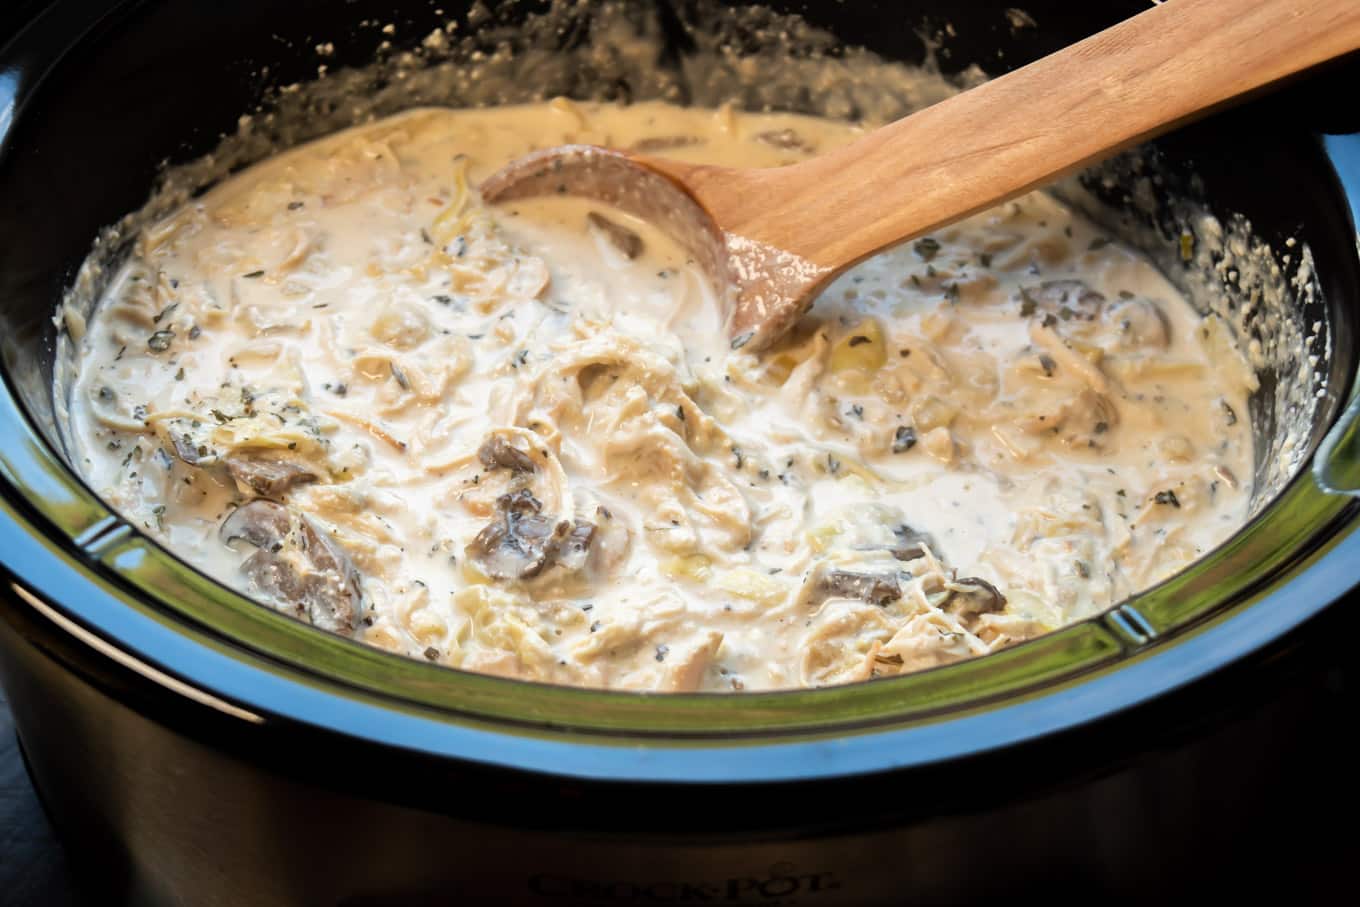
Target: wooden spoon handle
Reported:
[(1031, 126)]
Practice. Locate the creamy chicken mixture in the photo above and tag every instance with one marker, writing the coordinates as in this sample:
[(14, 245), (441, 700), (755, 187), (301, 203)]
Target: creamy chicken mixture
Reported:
[(517, 440)]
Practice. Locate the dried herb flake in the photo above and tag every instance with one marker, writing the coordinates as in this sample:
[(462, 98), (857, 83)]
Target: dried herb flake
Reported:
[(904, 439), (160, 341)]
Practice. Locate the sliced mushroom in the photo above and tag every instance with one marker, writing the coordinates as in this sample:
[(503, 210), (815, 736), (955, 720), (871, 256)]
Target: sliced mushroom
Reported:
[(874, 588), (1061, 299), (187, 438), (1072, 293), (619, 236), (186, 451), (575, 548), (1087, 418), (909, 544), (297, 565), (971, 596), (522, 541), (498, 453), (267, 476), (1139, 324), (263, 524), (516, 544)]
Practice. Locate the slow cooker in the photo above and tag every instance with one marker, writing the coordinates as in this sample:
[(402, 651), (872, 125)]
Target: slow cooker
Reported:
[(193, 747)]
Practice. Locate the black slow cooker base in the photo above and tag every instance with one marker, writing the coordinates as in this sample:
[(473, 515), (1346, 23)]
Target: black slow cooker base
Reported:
[(1240, 786)]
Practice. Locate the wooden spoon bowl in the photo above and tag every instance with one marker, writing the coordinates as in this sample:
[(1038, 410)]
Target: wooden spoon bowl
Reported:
[(771, 239)]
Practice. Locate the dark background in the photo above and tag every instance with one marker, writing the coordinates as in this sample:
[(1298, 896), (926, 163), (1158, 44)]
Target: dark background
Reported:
[(33, 868), (15, 12)]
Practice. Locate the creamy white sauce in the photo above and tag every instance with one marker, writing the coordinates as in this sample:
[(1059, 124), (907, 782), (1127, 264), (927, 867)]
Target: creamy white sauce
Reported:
[(948, 413)]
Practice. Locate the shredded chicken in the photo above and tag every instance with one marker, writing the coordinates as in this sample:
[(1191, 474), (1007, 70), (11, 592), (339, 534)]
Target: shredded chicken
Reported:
[(519, 441)]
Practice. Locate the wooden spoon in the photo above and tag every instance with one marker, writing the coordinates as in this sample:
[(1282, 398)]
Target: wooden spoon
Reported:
[(773, 238)]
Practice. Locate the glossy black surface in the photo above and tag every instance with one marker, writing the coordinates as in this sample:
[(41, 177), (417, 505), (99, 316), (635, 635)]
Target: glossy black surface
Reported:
[(33, 867)]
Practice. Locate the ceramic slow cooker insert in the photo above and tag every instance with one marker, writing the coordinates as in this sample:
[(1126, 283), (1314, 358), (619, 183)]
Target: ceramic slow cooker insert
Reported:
[(195, 747)]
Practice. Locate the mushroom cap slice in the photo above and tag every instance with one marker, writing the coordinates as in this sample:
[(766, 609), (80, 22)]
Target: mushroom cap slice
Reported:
[(874, 588), (521, 541), (297, 565), (267, 476)]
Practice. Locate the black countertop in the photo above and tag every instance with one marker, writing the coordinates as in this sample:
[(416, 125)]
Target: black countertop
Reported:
[(33, 867)]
